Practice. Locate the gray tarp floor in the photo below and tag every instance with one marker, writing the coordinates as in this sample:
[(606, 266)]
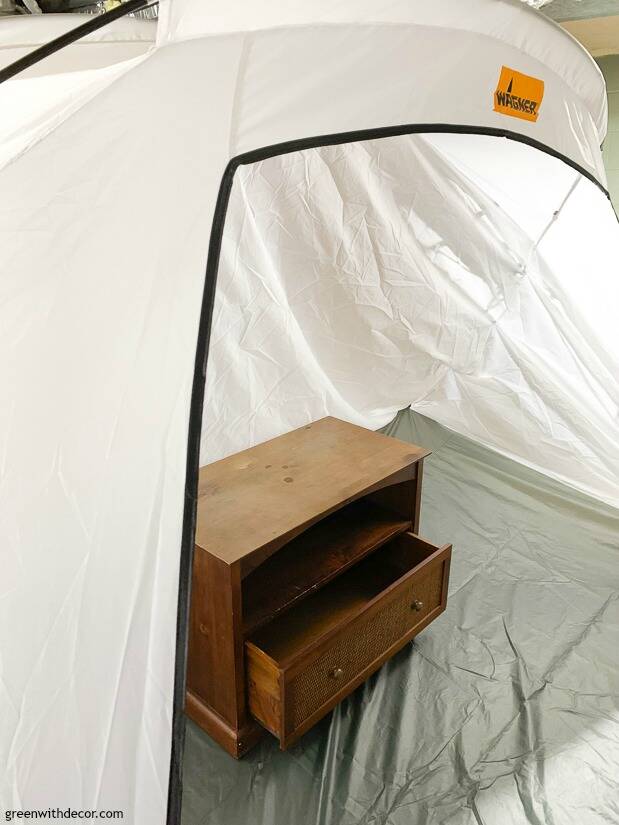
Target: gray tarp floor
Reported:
[(504, 711)]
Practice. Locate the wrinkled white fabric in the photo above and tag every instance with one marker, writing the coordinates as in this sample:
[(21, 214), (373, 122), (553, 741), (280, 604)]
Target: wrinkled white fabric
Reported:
[(356, 280)]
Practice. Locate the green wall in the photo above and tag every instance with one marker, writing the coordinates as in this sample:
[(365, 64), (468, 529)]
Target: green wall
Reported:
[(610, 68)]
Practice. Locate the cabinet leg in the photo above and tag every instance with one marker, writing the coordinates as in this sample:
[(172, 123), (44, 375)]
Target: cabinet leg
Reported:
[(235, 741)]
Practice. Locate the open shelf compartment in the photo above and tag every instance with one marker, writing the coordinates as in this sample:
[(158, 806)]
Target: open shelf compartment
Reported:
[(315, 557)]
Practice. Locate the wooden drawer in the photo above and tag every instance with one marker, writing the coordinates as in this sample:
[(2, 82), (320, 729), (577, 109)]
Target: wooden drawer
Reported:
[(302, 664)]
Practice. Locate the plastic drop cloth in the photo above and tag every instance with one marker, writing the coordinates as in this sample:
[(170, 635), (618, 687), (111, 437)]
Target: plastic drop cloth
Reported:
[(504, 711)]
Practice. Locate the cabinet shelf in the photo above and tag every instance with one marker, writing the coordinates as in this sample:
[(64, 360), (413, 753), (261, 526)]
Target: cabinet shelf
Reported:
[(315, 557)]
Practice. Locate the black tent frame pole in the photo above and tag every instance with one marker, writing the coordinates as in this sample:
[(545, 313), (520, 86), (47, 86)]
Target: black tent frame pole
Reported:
[(95, 22)]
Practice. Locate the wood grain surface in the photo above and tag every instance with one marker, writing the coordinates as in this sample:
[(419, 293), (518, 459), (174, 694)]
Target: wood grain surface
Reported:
[(266, 495)]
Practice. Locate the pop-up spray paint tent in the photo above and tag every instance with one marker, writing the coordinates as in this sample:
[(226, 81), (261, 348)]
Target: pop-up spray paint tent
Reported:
[(365, 206)]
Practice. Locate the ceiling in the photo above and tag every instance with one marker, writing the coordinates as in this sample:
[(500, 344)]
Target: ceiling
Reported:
[(562, 10), (595, 23)]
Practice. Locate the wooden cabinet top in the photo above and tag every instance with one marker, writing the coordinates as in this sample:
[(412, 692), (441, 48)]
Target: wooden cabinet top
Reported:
[(264, 496)]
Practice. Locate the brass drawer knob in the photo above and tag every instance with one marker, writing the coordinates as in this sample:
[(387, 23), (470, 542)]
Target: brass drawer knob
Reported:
[(336, 673), (417, 605)]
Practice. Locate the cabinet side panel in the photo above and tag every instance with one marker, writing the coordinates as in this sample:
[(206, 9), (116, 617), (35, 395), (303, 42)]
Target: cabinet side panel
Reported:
[(215, 670)]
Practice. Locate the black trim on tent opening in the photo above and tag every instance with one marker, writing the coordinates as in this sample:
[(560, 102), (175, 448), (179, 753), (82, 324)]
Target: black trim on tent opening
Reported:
[(199, 383)]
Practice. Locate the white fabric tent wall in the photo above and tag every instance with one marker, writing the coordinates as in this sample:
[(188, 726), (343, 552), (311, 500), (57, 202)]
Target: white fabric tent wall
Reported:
[(356, 280), (109, 186), (98, 342), (518, 31), (45, 94), (120, 40)]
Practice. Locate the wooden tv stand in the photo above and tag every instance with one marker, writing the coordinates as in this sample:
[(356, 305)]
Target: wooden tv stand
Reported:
[(308, 575)]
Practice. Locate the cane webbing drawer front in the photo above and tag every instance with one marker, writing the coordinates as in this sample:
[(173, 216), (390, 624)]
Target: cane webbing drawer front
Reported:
[(359, 646), (301, 666)]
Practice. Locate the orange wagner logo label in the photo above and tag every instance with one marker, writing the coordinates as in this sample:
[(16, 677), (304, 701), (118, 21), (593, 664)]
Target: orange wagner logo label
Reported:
[(518, 95)]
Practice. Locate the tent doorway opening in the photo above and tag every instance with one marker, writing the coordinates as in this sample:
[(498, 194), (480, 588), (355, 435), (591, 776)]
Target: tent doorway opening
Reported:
[(407, 283)]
